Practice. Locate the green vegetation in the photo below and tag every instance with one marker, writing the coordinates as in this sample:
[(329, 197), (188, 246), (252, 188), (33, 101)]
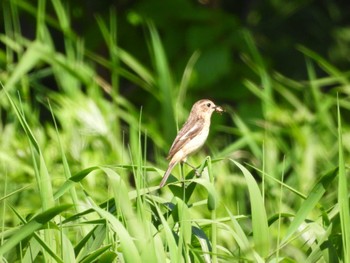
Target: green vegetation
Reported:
[(80, 164)]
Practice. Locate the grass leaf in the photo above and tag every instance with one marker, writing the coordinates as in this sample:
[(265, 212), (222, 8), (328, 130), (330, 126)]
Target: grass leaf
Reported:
[(310, 203), (259, 218), (33, 225), (343, 195)]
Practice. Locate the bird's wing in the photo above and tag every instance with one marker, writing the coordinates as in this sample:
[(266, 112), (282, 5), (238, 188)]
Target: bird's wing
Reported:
[(188, 131)]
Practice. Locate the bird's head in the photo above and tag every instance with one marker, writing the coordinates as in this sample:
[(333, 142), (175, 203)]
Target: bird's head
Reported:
[(205, 108)]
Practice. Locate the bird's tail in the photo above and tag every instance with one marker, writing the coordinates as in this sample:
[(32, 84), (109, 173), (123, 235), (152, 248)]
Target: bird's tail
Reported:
[(167, 173)]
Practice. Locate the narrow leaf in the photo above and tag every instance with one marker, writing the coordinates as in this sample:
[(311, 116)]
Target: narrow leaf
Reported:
[(259, 218)]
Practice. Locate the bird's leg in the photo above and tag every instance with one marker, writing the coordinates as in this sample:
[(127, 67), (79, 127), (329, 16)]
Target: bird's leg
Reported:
[(194, 168), (182, 173)]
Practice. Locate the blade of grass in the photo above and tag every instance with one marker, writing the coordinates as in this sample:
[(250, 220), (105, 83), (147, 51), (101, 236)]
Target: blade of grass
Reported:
[(41, 172), (40, 20), (66, 168), (45, 185), (136, 66), (213, 208), (279, 216), (186, 78), (3, 218), (247, 134), (242, 240), (33, 225), (79, 248), (22, 121), (324, 249), (169, 238), (96, 254), (259, 218), (128, 247), (137, 222), (164, 83), (309, 204), (5, 196), (204, 242), (286, 186), (262, 72), (42, 175), (63, 18), (37, 244), (185, 232), (343, 195), (67, 185), (330, 69)]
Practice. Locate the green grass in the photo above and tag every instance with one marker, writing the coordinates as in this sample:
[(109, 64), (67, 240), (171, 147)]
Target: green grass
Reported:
[(81, 184)]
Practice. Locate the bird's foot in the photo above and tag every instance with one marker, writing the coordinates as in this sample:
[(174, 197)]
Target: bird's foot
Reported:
[(197, 173)]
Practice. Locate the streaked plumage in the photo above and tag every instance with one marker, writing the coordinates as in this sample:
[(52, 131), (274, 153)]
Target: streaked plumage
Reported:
[(192, 135)]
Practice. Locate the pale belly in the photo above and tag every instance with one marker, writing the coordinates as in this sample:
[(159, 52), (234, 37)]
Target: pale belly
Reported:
[(195, 144)]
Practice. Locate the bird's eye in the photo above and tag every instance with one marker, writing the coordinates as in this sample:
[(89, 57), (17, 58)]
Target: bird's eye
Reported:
[(208, 105)]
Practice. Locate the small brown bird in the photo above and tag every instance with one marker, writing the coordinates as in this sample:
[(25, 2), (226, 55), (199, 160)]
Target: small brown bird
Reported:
[(192, 135)]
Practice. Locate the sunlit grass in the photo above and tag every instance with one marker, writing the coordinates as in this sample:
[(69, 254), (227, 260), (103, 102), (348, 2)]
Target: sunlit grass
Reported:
[(81, 184)]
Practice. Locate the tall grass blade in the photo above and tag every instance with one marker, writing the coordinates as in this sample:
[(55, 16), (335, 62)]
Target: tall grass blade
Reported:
[(328, 67), (262, 72), (28, 61), (169, 238), (243, 241), (128, 247), (343, 195), (6, 195), (45, 185), (259, 218), (186, 78), (213, 208), (62, 16), (41, 245), (164, 83), (66, 168), (247, 135), (33, 225), (44, 180), (309, 204), (323, 249), (136, 66), (23, 122), (95, 255), (67, 185), (204, 242), (40, 21), (185, 233), (36, 247), (137, 222)]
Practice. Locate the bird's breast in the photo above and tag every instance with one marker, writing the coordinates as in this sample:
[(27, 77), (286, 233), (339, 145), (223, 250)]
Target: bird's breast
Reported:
[(196, 142)]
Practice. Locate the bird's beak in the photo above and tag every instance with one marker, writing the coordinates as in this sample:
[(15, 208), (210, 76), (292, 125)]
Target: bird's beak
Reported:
[(219, 109)]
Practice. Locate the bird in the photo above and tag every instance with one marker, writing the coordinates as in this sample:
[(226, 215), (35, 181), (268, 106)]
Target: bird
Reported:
[(192, 135)]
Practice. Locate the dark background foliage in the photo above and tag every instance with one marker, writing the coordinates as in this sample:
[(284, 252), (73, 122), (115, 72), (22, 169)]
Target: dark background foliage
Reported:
[(214, 28)]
